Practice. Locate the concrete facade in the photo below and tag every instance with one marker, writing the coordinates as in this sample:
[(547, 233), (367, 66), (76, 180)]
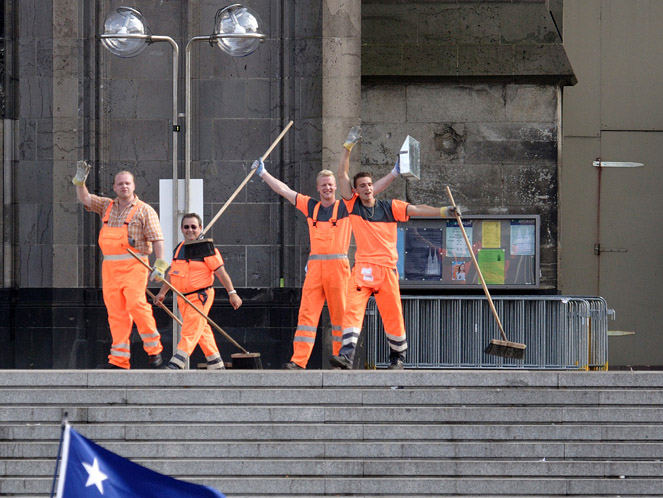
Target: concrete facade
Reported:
[(610, 243), (482, 94), (479, 83)]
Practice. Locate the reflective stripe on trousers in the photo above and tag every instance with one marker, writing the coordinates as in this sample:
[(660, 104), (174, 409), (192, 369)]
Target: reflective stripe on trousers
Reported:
[(388, 300), (326, 279), (124, 284), (195, 328)]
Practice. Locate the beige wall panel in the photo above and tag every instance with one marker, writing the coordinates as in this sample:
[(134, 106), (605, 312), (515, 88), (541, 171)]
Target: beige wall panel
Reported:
[(578, 205), (582, 42), (631, 203), (631, 64)]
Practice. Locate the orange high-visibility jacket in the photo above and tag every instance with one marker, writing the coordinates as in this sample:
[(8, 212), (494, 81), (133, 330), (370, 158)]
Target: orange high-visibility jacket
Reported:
[(191, 275)]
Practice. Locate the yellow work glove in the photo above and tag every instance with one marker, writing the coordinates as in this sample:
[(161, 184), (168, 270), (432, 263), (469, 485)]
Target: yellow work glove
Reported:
[(159, 271), (82, 170), (449, 211), (354, 135)]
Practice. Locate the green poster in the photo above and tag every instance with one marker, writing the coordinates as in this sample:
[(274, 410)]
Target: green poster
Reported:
[(491, 262)]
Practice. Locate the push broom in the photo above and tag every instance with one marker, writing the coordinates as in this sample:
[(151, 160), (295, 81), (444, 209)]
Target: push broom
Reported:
[(205, 247), (244, 359), (504, 347)]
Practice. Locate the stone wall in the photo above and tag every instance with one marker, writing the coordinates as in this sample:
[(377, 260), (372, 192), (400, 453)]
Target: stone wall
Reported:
[(494, 144), (479, 85), (79, 101)]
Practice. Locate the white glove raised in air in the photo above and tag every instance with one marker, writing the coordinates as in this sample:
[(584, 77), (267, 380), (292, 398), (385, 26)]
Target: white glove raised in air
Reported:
[(354, 135), (82, 170)]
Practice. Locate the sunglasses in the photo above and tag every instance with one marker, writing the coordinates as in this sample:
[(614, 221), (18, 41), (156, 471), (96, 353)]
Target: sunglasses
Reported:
[(192, 227)]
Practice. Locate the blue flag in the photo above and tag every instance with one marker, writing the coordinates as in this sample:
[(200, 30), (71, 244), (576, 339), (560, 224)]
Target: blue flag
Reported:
[(88, 470)]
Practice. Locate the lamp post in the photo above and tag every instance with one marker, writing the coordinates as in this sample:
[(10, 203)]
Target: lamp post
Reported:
[(236, 32), (126, 35)]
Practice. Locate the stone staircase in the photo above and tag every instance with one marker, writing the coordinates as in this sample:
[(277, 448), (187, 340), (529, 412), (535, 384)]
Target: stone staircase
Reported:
[(358, 433)]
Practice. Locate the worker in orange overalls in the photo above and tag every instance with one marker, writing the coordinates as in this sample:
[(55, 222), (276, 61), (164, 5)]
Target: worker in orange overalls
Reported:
[(327, 269), (195, 278), (128, 222), (374, 224)]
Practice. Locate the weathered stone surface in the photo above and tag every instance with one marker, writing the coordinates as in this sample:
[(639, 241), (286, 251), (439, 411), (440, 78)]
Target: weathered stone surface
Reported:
[(494, 144), (462, 39)]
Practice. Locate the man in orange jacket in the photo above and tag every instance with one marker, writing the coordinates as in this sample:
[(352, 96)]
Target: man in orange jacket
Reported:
[(128, 222), (195, 279), (374, 224), (327, 269)]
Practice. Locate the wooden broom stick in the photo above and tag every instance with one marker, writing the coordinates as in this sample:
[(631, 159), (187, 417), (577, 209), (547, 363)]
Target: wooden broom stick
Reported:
[(245, 181), (474, 260), (163, 307), (211, 322)]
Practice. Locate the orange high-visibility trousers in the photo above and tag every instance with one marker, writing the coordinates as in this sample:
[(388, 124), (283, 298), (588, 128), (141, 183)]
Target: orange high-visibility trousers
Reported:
[(195, 329), (124, 283), (325, 279), (388, 299)]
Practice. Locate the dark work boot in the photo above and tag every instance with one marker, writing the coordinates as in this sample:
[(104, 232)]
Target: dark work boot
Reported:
[(341, 361), (154, 360), (396, 361)]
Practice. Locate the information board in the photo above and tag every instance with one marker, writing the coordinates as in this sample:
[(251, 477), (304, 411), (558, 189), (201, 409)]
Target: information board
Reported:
[(433, 252)]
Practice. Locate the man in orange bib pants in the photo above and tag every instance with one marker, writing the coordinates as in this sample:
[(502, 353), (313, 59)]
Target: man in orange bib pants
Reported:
[(127, 223), (374, 224), (195, 279), (327, 269)]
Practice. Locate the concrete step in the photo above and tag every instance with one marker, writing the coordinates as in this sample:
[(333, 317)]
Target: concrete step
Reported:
[(375, 467), (312, 414), (350, 449), (343, 431), (58, 379), (422, 396), (393, 486), (359, 433)]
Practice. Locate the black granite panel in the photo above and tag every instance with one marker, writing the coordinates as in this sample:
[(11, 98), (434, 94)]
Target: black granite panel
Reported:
[(265, 324)]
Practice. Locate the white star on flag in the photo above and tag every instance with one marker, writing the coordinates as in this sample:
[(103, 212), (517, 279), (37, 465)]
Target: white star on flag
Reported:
[(95, 476)]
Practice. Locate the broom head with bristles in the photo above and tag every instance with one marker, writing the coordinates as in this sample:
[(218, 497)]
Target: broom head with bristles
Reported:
[(198, 249), (506, 349), (246, 361)]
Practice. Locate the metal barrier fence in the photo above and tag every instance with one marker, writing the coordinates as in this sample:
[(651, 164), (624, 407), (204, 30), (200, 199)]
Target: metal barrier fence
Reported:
[(561, 332)]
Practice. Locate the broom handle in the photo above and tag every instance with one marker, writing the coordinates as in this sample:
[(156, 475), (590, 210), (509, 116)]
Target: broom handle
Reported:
[(476, 264), (245, 181), (211, 322), (161, 305)]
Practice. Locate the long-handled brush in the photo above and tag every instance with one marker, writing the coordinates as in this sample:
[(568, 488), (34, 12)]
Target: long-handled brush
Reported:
[(202, 247), (504, 348), (240, 360)]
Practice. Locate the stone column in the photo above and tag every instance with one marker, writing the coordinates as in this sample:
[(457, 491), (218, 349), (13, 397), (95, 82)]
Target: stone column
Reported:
[(341, 95), (341, 76), (67, 135)]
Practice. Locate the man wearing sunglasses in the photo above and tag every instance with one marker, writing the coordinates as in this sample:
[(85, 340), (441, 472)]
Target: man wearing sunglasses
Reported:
[(327, 268), (128, 222), (195, 278)]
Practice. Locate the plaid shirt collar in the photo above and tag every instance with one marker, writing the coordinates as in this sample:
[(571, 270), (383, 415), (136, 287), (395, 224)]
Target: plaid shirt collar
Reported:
[(135, 200)]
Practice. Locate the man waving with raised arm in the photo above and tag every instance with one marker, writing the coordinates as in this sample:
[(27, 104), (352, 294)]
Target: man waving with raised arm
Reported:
[(128, 222), (374, 224), (327, 269)]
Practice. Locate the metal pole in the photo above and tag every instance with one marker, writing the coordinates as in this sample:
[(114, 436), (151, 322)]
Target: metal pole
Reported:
[(187, 125), (175, 131), (187, 110)]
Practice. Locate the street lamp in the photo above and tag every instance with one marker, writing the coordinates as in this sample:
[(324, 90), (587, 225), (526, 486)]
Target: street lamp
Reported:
[(237, 33), (126, 35)]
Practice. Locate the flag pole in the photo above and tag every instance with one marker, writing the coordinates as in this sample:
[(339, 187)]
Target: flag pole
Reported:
[(63, 426)]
